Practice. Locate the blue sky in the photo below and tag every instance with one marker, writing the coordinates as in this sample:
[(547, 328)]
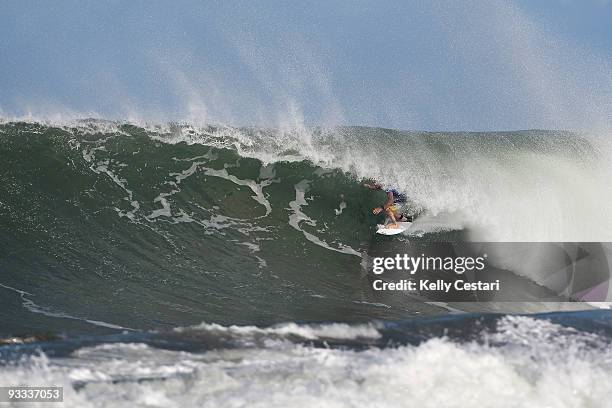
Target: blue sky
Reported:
[(430, 65)]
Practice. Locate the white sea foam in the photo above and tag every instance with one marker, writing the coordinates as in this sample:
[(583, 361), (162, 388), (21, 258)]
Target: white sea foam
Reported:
[(341, 207), (29, 305), (103, 166), (297, 217), (339, 331), (257, 188), (524, 369)]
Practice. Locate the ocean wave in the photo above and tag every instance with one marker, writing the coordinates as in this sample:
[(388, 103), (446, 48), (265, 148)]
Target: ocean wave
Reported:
[(213, 222)]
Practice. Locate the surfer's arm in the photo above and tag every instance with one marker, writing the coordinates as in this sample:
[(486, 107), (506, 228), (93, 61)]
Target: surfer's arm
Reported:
[(389, 201), (372, 186), (386, 205)]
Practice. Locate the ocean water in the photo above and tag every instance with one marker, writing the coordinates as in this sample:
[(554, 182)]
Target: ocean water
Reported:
[(215, 266), (554, 360)]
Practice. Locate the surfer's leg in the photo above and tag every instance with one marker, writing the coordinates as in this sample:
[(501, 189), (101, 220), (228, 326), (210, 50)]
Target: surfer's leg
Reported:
[(398, 216), (392, 215), (398, 209)]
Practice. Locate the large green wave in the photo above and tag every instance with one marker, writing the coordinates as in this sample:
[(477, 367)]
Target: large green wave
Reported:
[(153, 226)]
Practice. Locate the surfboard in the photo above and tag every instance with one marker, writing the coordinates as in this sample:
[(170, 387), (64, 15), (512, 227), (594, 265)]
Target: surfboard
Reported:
[(401, 227)]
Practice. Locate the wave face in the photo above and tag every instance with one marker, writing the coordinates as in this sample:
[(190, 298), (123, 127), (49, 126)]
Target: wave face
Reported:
[(116, 225)]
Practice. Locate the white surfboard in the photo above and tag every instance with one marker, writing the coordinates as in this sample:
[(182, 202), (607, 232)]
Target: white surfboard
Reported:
[(390, 230)]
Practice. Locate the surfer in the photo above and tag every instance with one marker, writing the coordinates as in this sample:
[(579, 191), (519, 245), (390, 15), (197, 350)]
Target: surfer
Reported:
[(392, 206)]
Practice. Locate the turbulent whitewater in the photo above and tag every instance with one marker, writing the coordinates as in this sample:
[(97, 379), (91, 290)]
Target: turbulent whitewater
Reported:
[(488, 361)]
